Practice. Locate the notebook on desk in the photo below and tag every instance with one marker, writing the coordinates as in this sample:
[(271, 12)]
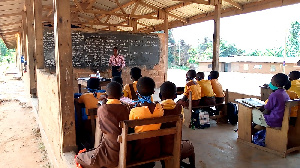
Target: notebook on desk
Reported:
[(254, 102)]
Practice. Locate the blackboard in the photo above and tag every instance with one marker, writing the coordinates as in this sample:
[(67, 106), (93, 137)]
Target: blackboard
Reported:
[(93, 50)]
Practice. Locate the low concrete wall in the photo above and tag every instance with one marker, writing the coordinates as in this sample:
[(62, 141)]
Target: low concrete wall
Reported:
[(48, 112)]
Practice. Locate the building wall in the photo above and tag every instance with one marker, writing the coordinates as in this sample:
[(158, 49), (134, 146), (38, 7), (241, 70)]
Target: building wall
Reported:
[(252, 67), (48, 110)]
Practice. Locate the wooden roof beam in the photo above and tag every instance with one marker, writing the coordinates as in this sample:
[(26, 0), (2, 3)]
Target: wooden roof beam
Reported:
[(134, 8), (11, 14), (101, 24), (235, 4), (181, 4), (78, 6), (8, 24), (147, 16), (119, 5), (204, 2), (91, 3)]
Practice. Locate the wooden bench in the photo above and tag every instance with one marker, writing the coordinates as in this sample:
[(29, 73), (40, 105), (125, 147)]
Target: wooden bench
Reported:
[(171, 161), (280, 141), (188, 112)]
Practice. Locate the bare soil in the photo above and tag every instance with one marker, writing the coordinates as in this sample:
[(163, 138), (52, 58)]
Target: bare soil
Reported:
[(20, 138)]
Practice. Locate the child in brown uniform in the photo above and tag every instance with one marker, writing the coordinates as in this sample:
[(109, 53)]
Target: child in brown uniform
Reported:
[(109, 114), (167, 95), (149, 148)]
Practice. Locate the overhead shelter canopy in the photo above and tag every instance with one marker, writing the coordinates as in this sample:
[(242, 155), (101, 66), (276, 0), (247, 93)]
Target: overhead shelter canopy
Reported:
[(129, 15)]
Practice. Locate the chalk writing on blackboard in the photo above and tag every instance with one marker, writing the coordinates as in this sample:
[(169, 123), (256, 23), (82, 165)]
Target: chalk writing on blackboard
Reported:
[(92, 50)]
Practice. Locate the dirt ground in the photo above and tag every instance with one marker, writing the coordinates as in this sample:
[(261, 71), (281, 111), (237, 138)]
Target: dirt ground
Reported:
[(20, 139)]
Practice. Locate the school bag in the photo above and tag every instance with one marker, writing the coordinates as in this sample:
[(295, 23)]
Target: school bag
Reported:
[(232, 113)]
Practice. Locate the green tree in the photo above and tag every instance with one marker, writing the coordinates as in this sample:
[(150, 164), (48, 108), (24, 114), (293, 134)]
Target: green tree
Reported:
[(171, 48), (229, 49), (293, 42)]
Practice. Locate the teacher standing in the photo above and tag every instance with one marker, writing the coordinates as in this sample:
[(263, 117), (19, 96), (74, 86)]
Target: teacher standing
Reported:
[(117, 62)]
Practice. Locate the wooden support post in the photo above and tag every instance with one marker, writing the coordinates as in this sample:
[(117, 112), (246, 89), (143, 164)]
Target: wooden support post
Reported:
[(24, 32), (64, 73), (113, 28), (30, 46), (134, 25), (216, 38), (166, 31), (19, 53), (38, 28)]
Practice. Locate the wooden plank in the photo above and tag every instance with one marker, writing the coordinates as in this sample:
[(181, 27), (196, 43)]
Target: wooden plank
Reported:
[(177, 146), (149, 161), (119, 5), (155, 120), (123, 146), (24, 32), (179, 5), (235, 4), (134, 8), (195, 1), (216, 37), (10, 15), (150, 134), (38, 28), (166, 32), (64, 73), (120, 14), (91, 3), (245, 120), (30, 46), (78, 6)]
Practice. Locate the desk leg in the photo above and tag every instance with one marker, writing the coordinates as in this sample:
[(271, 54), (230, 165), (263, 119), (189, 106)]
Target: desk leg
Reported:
[(79, 88), (244, 123)]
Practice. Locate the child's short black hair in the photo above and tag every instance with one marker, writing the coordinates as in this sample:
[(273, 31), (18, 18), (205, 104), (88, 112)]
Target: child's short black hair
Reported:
[(200, 75), (280, 79), (288, 85), (168, 90), (191, 74), (145, 86), (214, 74), (114, 90), (294, 75), (117, 79), (135, 73), (115, 48), (93, 83)]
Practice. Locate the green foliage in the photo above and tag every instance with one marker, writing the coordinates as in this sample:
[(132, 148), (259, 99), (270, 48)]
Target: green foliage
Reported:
[(6, 55), (229, 49), (293, 43)]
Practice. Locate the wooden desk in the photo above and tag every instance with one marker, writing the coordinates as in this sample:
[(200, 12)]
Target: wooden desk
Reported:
[(245, 121), (278, 141)]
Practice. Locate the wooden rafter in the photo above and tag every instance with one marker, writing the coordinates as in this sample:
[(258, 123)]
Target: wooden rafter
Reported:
[(235, 4), (120, 14), (9, 24), (196, 1), (182, 4), (50, 13), (136, 5), (119, 5), (11, 14), (91, 3), (78, 6)]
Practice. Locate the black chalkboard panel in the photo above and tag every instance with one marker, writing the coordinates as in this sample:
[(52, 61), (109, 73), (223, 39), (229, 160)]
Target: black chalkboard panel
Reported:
[(92, 50)]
